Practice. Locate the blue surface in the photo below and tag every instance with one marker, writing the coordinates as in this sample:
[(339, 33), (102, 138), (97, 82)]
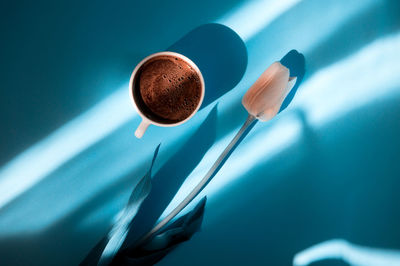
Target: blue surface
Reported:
[(326, 167)]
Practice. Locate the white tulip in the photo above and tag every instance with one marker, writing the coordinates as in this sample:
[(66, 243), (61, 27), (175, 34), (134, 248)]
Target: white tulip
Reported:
[(265, 97)]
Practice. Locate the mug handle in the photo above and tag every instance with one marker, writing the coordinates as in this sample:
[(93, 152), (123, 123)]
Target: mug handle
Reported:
[(141, 128)]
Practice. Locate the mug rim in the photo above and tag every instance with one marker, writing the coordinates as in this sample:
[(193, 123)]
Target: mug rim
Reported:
[(169, 53)]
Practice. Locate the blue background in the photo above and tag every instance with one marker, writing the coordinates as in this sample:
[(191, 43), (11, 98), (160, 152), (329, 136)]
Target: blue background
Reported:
[(326, 167)]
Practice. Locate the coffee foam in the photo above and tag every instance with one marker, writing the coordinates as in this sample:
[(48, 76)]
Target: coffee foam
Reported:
[(169, 87)]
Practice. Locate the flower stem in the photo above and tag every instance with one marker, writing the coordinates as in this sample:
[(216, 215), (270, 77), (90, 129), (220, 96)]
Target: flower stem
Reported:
[(215, 167)]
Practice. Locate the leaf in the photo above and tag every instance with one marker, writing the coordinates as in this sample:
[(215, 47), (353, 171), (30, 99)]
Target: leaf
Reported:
[(105, 250), (164, 242)]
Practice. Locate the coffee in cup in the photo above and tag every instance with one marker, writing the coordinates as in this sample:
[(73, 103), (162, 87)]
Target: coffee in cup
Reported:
[(167, 89)]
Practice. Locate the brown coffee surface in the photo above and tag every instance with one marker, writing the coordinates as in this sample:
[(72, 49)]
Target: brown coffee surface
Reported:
[(169, 87)]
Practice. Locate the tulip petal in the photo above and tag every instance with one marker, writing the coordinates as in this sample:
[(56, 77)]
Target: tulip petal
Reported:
[(273, 111), (266, 95)]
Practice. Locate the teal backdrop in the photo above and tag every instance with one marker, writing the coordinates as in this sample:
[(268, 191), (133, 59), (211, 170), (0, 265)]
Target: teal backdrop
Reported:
[(326, 167)]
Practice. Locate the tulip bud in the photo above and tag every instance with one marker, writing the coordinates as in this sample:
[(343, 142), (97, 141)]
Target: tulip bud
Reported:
[(265, 97)]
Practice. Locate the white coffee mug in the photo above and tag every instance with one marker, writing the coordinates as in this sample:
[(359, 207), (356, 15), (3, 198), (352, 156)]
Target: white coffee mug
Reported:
[(146, 120)]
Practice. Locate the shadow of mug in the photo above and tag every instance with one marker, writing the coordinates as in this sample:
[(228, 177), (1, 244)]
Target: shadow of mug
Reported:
[(219, 53)]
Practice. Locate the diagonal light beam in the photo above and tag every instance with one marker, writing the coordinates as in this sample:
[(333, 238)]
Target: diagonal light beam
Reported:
[(63, 144), (348, 252), (250, 18)]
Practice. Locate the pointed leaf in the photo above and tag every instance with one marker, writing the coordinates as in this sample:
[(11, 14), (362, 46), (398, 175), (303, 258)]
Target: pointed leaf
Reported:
[(169, 238), (105, 250)]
